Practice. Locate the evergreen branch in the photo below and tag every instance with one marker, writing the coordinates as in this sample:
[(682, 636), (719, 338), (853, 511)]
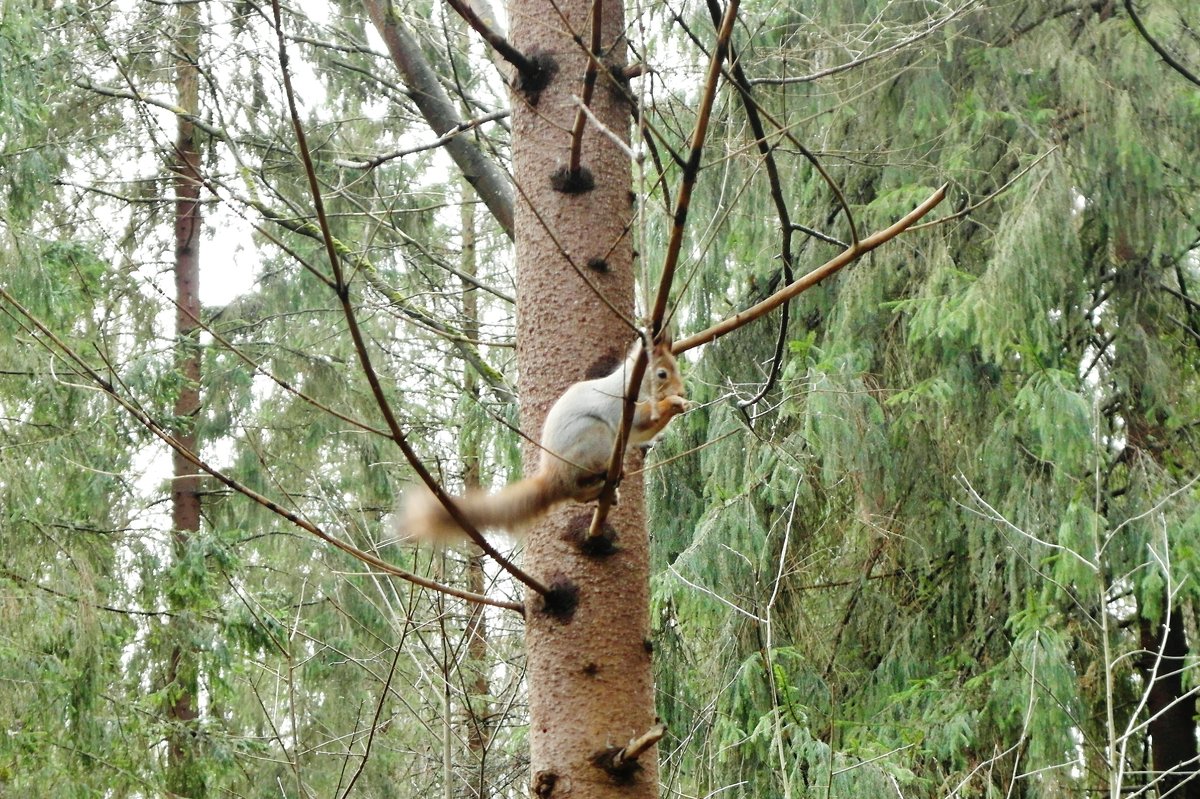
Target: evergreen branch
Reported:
[(257, 368), (1158, 48), (177, 110), (900, 45), (79, 599), (342, 289), (608, 494), (469, 353), (847, 256), (492, 184), (494, 377), (143, 418)]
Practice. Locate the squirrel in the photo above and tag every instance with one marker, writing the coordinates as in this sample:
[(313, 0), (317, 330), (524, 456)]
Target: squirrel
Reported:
[(576, 446)]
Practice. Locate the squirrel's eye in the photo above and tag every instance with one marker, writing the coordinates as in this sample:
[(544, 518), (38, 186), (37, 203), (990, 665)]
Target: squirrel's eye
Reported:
[(662, 374)]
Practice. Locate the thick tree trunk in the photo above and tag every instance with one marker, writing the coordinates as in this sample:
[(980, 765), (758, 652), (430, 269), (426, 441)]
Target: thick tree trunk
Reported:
[(590, 684), (1171, 708), (182, 669)]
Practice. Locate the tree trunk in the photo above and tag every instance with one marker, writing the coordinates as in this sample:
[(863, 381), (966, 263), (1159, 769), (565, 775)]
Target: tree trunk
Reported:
[(1171, 708), (182, 669), (477, 704), (589, 668)]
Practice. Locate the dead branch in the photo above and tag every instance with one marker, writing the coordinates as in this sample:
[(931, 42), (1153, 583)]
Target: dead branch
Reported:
[(846, 257)]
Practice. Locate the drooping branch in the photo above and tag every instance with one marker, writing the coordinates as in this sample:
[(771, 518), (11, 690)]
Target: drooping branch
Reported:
[(1163, 53), (844, 258), (59, 347), (492, 184), (342, 289)]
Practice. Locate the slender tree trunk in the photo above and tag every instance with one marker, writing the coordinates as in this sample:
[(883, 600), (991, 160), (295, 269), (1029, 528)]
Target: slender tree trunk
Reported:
[(184, 778), (589, 667), (477, 704)]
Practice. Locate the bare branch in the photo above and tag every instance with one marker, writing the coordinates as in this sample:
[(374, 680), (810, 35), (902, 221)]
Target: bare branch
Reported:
[(847, 256)]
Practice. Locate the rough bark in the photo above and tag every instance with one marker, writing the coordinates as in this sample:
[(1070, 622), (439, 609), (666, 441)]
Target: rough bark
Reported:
[(589, 669), (182, 708)]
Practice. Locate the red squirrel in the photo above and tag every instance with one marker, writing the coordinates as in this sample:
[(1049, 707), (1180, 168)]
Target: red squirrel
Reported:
[(576, 445)]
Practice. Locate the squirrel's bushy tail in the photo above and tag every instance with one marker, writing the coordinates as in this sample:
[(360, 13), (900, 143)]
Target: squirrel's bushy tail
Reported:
[(423, 516)]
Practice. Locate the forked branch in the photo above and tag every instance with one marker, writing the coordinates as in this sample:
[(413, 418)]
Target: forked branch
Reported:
[(658, 313)]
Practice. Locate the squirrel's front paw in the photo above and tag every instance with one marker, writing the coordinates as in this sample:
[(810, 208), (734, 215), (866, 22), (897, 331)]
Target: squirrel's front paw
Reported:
[(677, 404)]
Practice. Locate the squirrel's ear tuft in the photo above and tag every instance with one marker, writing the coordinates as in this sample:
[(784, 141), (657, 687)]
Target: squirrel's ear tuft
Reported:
[(665, 340)]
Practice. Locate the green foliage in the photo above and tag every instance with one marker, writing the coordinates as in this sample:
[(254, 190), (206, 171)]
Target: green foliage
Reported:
[(921, 566), (977, 469)]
